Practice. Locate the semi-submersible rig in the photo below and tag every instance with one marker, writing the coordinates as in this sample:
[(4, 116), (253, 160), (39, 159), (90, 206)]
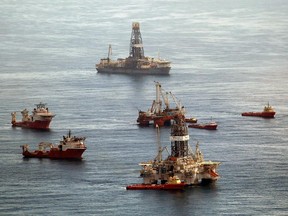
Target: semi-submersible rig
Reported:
[(188, 167)]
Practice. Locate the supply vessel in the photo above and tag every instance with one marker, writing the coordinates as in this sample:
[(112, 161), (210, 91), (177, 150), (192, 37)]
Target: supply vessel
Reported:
[(173, 183), (156, 115), (212, 125), (268, 112), (68, 148), (40, 119), (182, 163), (191, 120), (136, 62)]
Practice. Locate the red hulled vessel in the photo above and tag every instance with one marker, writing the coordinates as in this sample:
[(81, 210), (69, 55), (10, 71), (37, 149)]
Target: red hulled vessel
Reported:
[(268, 112), (40, 118), (208, 126), (69, 148)]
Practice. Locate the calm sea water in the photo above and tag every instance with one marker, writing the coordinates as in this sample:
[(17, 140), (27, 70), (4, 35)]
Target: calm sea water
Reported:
[(227, 57)]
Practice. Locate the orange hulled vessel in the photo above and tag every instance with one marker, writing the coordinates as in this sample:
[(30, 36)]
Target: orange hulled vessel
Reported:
[(69, 148), (158, 116), (268, 112), (191, 120), (173, 183), (40, 118), (183, 166)]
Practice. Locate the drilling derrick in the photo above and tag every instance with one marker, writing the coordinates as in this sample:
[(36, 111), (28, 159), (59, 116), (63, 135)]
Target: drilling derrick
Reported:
[(136, 46), (179, 138)]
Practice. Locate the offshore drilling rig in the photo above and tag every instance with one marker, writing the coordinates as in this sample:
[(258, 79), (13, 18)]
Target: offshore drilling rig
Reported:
[(156, 115), (182, 163), (136, 62)]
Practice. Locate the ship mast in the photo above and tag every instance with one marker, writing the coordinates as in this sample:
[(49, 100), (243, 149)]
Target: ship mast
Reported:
[(158, 101), (179, 138), (136, 46), (159, 155), (109, 52)]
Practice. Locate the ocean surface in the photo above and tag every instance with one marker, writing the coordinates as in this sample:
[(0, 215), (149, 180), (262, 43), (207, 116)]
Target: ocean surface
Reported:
[(227, 57)]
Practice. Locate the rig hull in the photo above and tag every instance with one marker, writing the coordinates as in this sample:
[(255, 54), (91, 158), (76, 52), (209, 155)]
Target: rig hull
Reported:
[(151, 71), (180, 186), (161, 120)]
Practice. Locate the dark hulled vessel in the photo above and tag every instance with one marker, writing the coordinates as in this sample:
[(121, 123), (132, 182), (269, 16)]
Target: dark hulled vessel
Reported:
[(136, 62)]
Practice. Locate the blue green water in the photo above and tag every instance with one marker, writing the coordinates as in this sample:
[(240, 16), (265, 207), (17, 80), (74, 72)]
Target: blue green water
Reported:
[(227, 57)]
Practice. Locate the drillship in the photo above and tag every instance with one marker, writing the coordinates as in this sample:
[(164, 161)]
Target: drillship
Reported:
[(136, 63), (188, 167)]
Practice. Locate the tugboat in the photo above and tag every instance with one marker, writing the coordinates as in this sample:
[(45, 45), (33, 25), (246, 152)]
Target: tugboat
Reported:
[(69, 148), (40, 118), (182, 163), (173, 183), (191, 120), (268, 112), (158, 116), (208, 126), (136, 63)]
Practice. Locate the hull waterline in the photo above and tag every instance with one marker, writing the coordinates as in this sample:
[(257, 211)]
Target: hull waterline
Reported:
[(152, 71), (180, 186)]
